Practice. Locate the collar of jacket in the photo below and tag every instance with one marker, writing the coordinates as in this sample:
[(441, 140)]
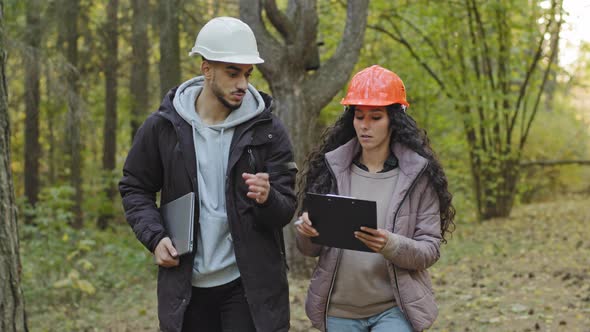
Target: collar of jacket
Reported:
[(410, 162)]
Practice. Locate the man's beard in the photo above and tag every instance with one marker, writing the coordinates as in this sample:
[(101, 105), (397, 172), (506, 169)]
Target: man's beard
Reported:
[(219, 94)]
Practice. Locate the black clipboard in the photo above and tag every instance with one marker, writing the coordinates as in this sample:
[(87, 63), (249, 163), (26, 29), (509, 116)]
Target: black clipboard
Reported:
[(336, 218)]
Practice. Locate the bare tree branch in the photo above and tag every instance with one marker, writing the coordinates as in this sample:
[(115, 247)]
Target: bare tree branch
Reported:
[(493, 138), (291, 10), (190, 14), (486, 52), (503, 60), (335, 72), (473, 21), (415, 55), (553, 162), (270, 48), (307, 31), (531, 69), (552, 56), (279, 20), (421, 33), (474, 58)]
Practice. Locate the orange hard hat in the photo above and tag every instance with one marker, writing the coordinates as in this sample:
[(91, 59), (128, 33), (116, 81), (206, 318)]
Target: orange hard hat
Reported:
[(375, 86)]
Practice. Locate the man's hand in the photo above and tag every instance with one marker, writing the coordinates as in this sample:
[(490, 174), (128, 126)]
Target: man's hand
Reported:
[(165, 253), (258, 186), (375, 239)]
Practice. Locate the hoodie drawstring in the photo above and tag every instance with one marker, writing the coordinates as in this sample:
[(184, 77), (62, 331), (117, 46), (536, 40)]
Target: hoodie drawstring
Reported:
[(194, 126), (221, 179)]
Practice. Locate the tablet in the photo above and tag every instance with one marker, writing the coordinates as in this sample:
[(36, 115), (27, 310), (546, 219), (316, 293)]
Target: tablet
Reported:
[(179, 216)]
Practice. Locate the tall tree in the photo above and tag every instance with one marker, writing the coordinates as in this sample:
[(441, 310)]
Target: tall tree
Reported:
[(169, 45), (32, 98), (12, 307), (111, 64), (488, 60), (299, 87), (140, 65), (71, 10)]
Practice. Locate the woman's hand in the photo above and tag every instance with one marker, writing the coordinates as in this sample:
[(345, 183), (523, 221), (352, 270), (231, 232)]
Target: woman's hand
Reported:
[(376, 239), (304, 227)]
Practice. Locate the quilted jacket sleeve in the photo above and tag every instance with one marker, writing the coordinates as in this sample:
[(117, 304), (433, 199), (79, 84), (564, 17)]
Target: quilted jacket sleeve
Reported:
[(423, 249), (142, 179)]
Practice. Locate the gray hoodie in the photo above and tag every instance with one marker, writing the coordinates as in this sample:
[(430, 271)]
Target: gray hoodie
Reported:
[(215, 261)]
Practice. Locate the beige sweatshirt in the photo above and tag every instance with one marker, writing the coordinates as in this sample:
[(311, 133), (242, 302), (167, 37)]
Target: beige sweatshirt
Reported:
[(362, 287)]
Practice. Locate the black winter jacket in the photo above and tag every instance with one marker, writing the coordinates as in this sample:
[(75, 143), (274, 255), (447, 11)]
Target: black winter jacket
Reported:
[(162, 158)]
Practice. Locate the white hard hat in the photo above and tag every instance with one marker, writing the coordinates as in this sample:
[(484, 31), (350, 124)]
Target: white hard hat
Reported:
[(227, 39)]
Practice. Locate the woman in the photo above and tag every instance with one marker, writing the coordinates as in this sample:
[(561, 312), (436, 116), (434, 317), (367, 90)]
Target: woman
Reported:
[(375, 151)]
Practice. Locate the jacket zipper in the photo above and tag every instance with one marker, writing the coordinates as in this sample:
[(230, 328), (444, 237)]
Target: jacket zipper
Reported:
[(392, 230), (338, 259), (251, 160), (276, 235)]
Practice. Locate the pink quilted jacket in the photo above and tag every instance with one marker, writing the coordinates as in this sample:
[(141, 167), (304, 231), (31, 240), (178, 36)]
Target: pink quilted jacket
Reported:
[(414, 242)]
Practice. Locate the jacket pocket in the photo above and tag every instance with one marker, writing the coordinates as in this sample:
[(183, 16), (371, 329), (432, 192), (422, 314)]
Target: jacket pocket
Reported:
[(251, 160)]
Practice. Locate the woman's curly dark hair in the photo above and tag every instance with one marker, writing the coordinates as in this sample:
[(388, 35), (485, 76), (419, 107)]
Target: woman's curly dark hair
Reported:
[(317, 178)]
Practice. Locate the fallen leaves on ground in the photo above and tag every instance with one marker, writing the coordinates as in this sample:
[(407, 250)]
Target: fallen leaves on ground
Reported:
[(528, 272)]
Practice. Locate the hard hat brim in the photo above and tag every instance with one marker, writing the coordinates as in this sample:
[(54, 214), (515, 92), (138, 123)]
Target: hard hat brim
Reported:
[(364, 102), (241, 59)]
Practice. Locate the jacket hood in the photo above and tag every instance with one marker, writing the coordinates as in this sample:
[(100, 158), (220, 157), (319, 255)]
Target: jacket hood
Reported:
[(168, 111), (188, 92)]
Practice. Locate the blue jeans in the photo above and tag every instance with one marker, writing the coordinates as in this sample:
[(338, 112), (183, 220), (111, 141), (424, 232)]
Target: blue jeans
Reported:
[(391, 320)]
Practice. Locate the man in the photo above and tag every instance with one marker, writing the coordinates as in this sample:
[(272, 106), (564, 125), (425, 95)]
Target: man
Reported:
[(215, 135)]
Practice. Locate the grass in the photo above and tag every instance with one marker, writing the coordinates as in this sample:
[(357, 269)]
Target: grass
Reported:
[(529, 272)]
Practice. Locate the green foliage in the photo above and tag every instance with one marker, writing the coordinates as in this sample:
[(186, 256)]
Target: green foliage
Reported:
[(559, 135), (53, 210), (68, 273)]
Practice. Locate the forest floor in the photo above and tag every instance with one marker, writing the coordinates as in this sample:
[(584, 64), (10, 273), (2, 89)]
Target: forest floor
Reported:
[(529, 272)]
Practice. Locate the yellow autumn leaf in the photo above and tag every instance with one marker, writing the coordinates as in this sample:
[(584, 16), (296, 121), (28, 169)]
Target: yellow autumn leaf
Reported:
[(71, 255), (86, 287), (74, 274), (86, 264), (62, 283)]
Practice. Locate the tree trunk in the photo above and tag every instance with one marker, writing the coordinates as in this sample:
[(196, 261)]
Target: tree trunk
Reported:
[(109, 151), (140, 65), (32, 97), (51, 135), (301, 130), (299, 94), (71, 11), (169, 45), (498, 187), (12, 306)]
